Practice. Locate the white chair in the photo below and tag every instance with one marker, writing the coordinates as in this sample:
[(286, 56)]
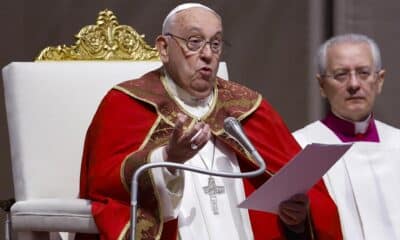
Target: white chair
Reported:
[(49, 107)]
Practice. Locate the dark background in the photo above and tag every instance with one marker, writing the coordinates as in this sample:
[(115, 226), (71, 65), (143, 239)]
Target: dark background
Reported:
[(272, 46)]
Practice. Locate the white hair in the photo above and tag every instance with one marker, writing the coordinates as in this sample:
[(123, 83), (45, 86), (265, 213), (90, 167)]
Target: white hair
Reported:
[(182, 7), (348, 38)]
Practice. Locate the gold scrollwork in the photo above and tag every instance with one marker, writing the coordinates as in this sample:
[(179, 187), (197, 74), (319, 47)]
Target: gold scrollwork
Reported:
[(107, 40)]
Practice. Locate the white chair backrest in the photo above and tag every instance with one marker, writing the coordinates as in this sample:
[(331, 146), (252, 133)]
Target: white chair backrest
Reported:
[(49, 108)]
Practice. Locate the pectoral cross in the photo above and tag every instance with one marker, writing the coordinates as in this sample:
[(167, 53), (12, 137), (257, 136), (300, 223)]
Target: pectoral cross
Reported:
[(212, 189)]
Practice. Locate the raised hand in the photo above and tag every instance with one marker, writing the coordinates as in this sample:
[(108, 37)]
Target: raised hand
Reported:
[(184, 144)]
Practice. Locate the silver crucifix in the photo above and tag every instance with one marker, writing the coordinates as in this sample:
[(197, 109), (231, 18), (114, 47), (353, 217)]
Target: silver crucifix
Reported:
[(212, 189)]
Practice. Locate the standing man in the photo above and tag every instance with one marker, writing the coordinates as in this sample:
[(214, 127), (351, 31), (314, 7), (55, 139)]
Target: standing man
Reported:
[(363, 183), (176, 114)]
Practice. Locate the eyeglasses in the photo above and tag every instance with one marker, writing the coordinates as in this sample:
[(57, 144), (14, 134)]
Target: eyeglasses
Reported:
[(345, 74), (195, 43)]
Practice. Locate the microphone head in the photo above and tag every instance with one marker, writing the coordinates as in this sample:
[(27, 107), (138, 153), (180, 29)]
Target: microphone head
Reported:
[(233, 128)]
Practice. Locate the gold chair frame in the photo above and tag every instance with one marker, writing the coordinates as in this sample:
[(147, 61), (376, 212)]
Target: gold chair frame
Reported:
[(106, 40)]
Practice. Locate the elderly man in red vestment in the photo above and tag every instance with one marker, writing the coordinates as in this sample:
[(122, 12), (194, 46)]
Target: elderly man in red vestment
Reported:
[(176, 114)]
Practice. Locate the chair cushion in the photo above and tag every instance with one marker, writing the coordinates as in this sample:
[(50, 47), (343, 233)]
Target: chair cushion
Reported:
[(49, 107), (68, 215)]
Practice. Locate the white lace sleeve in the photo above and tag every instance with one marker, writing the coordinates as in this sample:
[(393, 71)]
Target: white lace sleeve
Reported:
[(170, 186)]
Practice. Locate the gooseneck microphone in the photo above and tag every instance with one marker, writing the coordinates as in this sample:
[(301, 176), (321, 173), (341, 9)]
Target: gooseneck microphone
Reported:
[(233, 128)]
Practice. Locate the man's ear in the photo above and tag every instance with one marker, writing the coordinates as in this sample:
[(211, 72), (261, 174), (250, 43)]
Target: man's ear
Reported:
[(162, 47), (381, 80), (321, 83)]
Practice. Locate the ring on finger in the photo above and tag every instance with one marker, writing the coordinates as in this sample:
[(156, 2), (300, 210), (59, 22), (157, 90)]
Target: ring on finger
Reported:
[(194, 146)]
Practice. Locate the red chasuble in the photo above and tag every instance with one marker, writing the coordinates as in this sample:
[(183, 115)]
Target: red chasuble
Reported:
[(138, 116)]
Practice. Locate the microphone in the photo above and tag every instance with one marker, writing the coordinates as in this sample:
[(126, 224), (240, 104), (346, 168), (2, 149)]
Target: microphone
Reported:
[(232, 127)]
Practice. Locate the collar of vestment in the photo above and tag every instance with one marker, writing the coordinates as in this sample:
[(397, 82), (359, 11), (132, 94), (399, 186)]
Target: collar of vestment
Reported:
[(230, 99), (197, 107), (352, 131)]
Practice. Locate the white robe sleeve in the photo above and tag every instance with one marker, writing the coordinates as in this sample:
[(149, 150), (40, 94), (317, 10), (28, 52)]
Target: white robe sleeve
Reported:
[(170, 186)]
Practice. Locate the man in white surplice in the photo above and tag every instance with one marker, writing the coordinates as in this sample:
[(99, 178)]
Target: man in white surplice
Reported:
[(363, 183)]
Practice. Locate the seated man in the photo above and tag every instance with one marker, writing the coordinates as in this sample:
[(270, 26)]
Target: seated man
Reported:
[(362, 183), (176, 114)]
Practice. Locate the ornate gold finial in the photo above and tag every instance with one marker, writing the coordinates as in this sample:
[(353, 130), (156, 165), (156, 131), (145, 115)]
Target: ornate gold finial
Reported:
[(107, 40)]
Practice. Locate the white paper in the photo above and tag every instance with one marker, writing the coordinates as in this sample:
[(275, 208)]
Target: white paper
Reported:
[(297, 176)]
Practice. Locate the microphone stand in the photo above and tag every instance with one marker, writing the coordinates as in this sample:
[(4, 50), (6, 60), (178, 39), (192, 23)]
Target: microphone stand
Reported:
[(138, 172)]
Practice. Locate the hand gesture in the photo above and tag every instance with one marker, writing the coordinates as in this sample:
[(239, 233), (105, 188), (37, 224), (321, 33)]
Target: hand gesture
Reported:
[(183, 145)]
